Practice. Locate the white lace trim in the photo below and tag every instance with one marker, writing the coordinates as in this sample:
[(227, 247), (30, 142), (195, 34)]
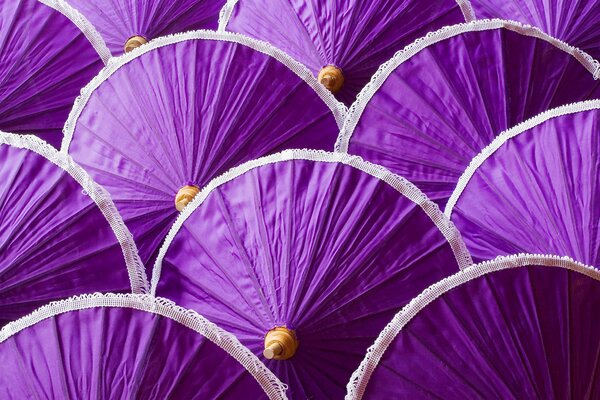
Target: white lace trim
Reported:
[(503, 137), (387, 68), (83, 24), (274, 388), (225, 14), (467, 9), (337, 108), (447, 228), (360, 378), (135, 267)]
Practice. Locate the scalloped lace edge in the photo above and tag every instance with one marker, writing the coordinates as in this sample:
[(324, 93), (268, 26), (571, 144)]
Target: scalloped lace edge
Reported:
[(467, 9), (503, 137), (410, 191), (386, 69), (360, 378), (337, 108), (135, 267), (84, 25), (274, 388)]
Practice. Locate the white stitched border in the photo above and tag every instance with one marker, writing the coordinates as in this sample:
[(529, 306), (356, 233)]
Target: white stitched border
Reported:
[(135, 267), (387, 68), (403, 186), (503, 137), (274, 388), (360, 378)]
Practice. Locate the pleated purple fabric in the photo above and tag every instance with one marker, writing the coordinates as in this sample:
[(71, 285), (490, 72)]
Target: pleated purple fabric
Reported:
[(538, 192), (504, 332), (126, 347), (119, 20), (426, 119), (321, 243), (181, 113), (55, 241), (356, 36), (574, 21), (45, 60)]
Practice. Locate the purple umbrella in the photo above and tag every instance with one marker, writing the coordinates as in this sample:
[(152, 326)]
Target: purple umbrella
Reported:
[(48, 52), (341, 41), (60, 234), (305, 256), (575, 22), (125, 24), (519, 327), (425, 118), (161, 121), (115, 346), (536, 188)]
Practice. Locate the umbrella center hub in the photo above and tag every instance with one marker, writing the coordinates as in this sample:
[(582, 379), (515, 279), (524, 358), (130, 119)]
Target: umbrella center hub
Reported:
[(185, 195), (134, 42), (332, 78), (281, 343)]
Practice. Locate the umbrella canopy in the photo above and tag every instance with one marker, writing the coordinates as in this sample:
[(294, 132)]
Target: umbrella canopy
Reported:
[(125, 24), (110, 346), (536, 188), (60, 234), (48, 52), (425, 119), (575, 22), (341, 41), (163, 120), (305, 256), (520, 327)]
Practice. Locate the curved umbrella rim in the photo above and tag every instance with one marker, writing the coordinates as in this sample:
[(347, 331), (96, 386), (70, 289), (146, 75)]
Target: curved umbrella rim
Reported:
[(505, 136), (99, 195), (360, 378), (386, 69), (274, 388), (402, 185), (337, 108)]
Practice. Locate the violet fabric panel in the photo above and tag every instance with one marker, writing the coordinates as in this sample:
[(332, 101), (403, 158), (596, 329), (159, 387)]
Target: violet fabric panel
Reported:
[(184, 113), (119, 353), (118, 20), (573, 21), (356, 36), (54, 240), (524, 333), (322, 248), (538, 193), (430, 118), (45, 60)]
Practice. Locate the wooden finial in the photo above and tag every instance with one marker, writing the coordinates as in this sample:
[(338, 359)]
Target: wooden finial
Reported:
[(185, 195), (332, 78), (134, 42), (281, 343)]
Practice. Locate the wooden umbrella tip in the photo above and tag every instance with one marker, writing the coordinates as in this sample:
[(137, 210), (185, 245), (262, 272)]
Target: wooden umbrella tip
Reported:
[(332, 78), (281, 343), (134, 42), (185, 195)]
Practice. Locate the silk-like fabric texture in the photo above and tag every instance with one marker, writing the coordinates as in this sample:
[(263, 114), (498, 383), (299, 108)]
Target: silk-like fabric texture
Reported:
[(522, 333), (45, 60), (431, 117), (354, 35), (539, 192), (320, 247)]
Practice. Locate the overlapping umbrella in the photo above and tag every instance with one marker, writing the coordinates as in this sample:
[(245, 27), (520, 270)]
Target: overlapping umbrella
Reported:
[(315, 250), (535, 188), (518, 327), (425, 118), (113, 346)]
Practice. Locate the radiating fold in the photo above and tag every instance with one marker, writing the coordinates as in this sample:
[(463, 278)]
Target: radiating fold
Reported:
[(425, 118), (519, 327), (536, 188), (320, 243), (127, 346)]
